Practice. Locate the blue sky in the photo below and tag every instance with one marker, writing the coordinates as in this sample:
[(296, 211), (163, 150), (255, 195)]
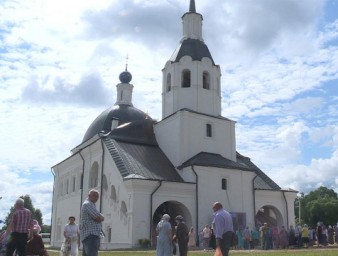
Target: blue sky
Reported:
[(60, 62)]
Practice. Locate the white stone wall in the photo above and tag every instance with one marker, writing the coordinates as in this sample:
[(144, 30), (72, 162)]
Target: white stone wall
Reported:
[(194, 97), (183, 136)]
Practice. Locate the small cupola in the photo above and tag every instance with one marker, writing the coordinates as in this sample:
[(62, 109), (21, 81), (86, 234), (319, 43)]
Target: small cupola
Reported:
[(124, 89)]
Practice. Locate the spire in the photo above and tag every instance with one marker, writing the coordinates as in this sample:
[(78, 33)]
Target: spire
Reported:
[(192, 7), (192, 23)]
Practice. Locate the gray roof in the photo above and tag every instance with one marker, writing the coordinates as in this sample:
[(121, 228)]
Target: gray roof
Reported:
[(192, 6), (262, 181), (123, 113), (141, 161), (194, 48), (199, 113), (136, 153), (213, 160)]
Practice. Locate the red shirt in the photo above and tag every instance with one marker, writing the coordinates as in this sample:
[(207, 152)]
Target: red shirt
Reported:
[(21, 220)]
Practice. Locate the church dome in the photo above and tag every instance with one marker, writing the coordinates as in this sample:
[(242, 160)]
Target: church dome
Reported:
[(125, 114), (125, 77)]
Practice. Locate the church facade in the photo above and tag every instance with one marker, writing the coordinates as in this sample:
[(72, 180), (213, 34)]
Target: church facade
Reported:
[(180, 165)]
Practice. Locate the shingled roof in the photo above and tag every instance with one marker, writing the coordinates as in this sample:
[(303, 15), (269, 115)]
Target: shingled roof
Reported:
[(141, 161), (194, 48), (262, 181)]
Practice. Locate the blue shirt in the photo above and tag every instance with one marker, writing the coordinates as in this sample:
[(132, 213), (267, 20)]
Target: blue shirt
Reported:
[(222, 223), (88, 225)]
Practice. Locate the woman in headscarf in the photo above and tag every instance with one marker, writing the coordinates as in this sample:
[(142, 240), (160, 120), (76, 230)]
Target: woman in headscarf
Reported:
[(164, 237), (192, 238), (35, 244)]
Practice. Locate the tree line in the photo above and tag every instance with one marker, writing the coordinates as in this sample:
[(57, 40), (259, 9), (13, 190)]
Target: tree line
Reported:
[(320, 205)]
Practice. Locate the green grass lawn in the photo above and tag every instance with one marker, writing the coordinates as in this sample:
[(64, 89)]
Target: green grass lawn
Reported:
[(307, 252)]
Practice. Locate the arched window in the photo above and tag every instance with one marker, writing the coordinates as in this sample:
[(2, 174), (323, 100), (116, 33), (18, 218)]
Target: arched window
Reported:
[(81, 181), (113, 193), (208, 130), (186, 78), (67, 186), (73, 184), (104, 182), (224, 184), (168, 82), (61, 189), (206, 80), (123, 208), (94, 175)]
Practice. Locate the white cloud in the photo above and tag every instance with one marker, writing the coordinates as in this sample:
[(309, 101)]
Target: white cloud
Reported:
[(60, 63)]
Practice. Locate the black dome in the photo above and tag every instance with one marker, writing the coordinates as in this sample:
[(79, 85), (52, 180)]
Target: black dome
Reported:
[(125, 77), (124, 113)]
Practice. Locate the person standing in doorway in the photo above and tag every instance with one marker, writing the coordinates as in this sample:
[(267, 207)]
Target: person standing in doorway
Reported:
[(20, 223), (164, 237), (91, 224), (223, 228)]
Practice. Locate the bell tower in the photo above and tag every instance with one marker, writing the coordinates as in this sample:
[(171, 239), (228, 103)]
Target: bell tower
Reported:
[(191, 79), (191, 100)]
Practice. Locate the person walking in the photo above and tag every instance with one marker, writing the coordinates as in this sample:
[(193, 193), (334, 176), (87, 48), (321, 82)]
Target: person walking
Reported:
[(71, 243), (206, 236), (164, 237), (91, 224), (20, 223), (223, 228)]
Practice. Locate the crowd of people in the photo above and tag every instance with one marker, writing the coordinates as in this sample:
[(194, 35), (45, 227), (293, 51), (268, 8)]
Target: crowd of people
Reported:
[(178, 239), (268, 237), (22, 234)]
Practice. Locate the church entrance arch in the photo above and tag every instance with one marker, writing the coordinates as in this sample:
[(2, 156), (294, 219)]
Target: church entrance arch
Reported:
[(173, 208), (269, 214)]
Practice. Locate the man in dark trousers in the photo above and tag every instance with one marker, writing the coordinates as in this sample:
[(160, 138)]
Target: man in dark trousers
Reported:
[(21, 222), (223, 228), (182, 235)]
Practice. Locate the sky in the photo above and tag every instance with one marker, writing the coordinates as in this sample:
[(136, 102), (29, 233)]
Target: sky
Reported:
[(60, 62)]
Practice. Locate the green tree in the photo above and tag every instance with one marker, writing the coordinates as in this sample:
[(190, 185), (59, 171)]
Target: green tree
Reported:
[(37, 215), (320, 205), (45, 229), (321, 193)]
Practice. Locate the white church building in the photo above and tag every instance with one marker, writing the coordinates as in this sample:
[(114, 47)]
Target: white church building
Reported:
[(180, 165)]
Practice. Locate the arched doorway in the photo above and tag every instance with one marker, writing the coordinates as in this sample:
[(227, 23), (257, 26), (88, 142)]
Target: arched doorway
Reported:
[(269, 214), (173, 208)]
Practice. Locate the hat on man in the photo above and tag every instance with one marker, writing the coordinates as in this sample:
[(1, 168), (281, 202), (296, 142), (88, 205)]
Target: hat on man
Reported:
[(179, 217)]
